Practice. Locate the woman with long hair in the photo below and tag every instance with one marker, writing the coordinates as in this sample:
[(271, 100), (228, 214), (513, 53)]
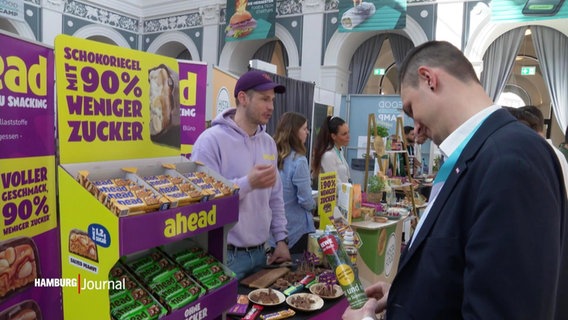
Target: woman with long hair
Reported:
[(327, 154), (290, 136)]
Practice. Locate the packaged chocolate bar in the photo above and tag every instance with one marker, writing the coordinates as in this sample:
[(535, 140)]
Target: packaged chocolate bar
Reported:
[(240, 307), (139, 261), (181, 299), (208, 271), (148, 264), (170, 284), (253, 313), (81, 244), (279, 315), (123, 192), (134, 300), (205, 178), (19, 265), (172, 185), (25, 310)]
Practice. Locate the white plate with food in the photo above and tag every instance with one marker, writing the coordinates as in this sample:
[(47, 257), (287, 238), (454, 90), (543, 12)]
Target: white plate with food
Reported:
[(325, 291), (266, 297), (305, 301)]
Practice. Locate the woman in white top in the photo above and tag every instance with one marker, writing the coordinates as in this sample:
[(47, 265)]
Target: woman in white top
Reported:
[(327, 155)]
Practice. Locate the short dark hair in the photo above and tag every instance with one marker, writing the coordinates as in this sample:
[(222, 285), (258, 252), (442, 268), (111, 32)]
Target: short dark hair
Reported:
[(407, 129), (528, 115), (440, 54), (533, 116)]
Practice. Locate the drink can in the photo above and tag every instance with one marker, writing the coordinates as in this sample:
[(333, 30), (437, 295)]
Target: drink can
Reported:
[(341, 265)]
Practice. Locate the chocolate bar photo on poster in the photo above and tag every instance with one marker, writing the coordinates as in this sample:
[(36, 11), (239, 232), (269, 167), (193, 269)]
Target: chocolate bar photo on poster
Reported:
[(164, 106)]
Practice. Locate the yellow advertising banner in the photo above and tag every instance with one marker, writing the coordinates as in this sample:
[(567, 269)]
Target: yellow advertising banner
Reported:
[(115, 103), (327, 197), (223, 90)]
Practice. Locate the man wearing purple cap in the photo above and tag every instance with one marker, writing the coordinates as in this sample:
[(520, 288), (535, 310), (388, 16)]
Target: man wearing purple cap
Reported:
[(238, 147)]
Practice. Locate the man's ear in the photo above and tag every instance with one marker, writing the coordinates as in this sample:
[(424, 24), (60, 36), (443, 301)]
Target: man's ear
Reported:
[(241, 97), (427, 76)]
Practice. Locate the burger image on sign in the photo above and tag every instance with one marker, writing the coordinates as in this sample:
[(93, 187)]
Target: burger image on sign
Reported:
[(241, 23)]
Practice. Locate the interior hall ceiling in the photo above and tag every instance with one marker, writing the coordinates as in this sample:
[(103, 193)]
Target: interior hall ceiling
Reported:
[(152, 8)]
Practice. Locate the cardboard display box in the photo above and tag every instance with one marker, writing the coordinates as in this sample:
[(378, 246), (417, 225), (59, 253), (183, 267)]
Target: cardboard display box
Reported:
[(378, 257)]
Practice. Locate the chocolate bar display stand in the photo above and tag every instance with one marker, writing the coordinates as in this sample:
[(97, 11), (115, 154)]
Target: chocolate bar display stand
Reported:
[(115, 237)]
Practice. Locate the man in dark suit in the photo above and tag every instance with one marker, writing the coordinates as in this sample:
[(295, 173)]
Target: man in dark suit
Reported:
[(493, 242)]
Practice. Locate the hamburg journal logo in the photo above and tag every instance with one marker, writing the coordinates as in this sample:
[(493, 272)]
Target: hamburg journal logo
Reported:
[(82, 284)]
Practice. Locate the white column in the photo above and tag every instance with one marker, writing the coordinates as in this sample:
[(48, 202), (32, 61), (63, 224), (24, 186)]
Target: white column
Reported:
[(449, 26), (210, 18), (312, 37), (52, 20)]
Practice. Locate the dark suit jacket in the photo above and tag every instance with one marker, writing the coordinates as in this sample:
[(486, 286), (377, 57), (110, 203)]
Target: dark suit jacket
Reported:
[(494, 243)]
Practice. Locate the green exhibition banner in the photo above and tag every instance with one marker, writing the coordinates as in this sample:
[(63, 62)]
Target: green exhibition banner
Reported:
[(528, 10), (250, 19), (372, 15)]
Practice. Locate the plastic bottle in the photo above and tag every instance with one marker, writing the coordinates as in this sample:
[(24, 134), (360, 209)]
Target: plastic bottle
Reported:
[(341, 265)]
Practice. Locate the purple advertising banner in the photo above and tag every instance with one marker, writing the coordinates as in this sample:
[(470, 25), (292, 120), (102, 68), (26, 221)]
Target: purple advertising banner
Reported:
[(175, 224), (26, 99), (29, 236), (193, 91)]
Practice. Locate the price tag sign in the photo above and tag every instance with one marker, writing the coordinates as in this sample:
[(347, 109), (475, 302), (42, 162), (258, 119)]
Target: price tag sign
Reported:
[(327, 197)]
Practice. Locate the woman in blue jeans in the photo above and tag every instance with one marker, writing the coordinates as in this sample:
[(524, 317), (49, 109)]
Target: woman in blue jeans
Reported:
[(290, 136)]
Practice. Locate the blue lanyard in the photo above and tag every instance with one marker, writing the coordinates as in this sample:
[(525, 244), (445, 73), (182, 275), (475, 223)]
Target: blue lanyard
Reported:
[(449, 164)]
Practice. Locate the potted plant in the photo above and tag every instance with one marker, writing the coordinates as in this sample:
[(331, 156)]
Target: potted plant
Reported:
[(375, 188), (379, 132)]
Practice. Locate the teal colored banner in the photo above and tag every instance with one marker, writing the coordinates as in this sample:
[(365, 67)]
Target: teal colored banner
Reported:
[(528, 10), (249, 20), (373, 15)]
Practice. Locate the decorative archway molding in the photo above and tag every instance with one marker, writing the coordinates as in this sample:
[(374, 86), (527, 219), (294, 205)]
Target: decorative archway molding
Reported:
[(175, 37)]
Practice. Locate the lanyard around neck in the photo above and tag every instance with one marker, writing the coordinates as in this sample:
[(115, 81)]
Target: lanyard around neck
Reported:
[(338, 153), (449, 164)]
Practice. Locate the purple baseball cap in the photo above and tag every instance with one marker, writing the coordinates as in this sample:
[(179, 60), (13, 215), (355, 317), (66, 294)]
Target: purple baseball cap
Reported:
[(258, 81)]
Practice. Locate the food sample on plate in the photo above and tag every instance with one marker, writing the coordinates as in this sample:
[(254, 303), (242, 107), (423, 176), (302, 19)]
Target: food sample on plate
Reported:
[(305, 301), (281, 284), (326, 291), (81, 244), (266, 297)]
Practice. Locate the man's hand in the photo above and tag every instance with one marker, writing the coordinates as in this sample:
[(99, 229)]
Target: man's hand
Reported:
[(280, 254), (378, 294), (379, 291), (367, 310), (262, 176)]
